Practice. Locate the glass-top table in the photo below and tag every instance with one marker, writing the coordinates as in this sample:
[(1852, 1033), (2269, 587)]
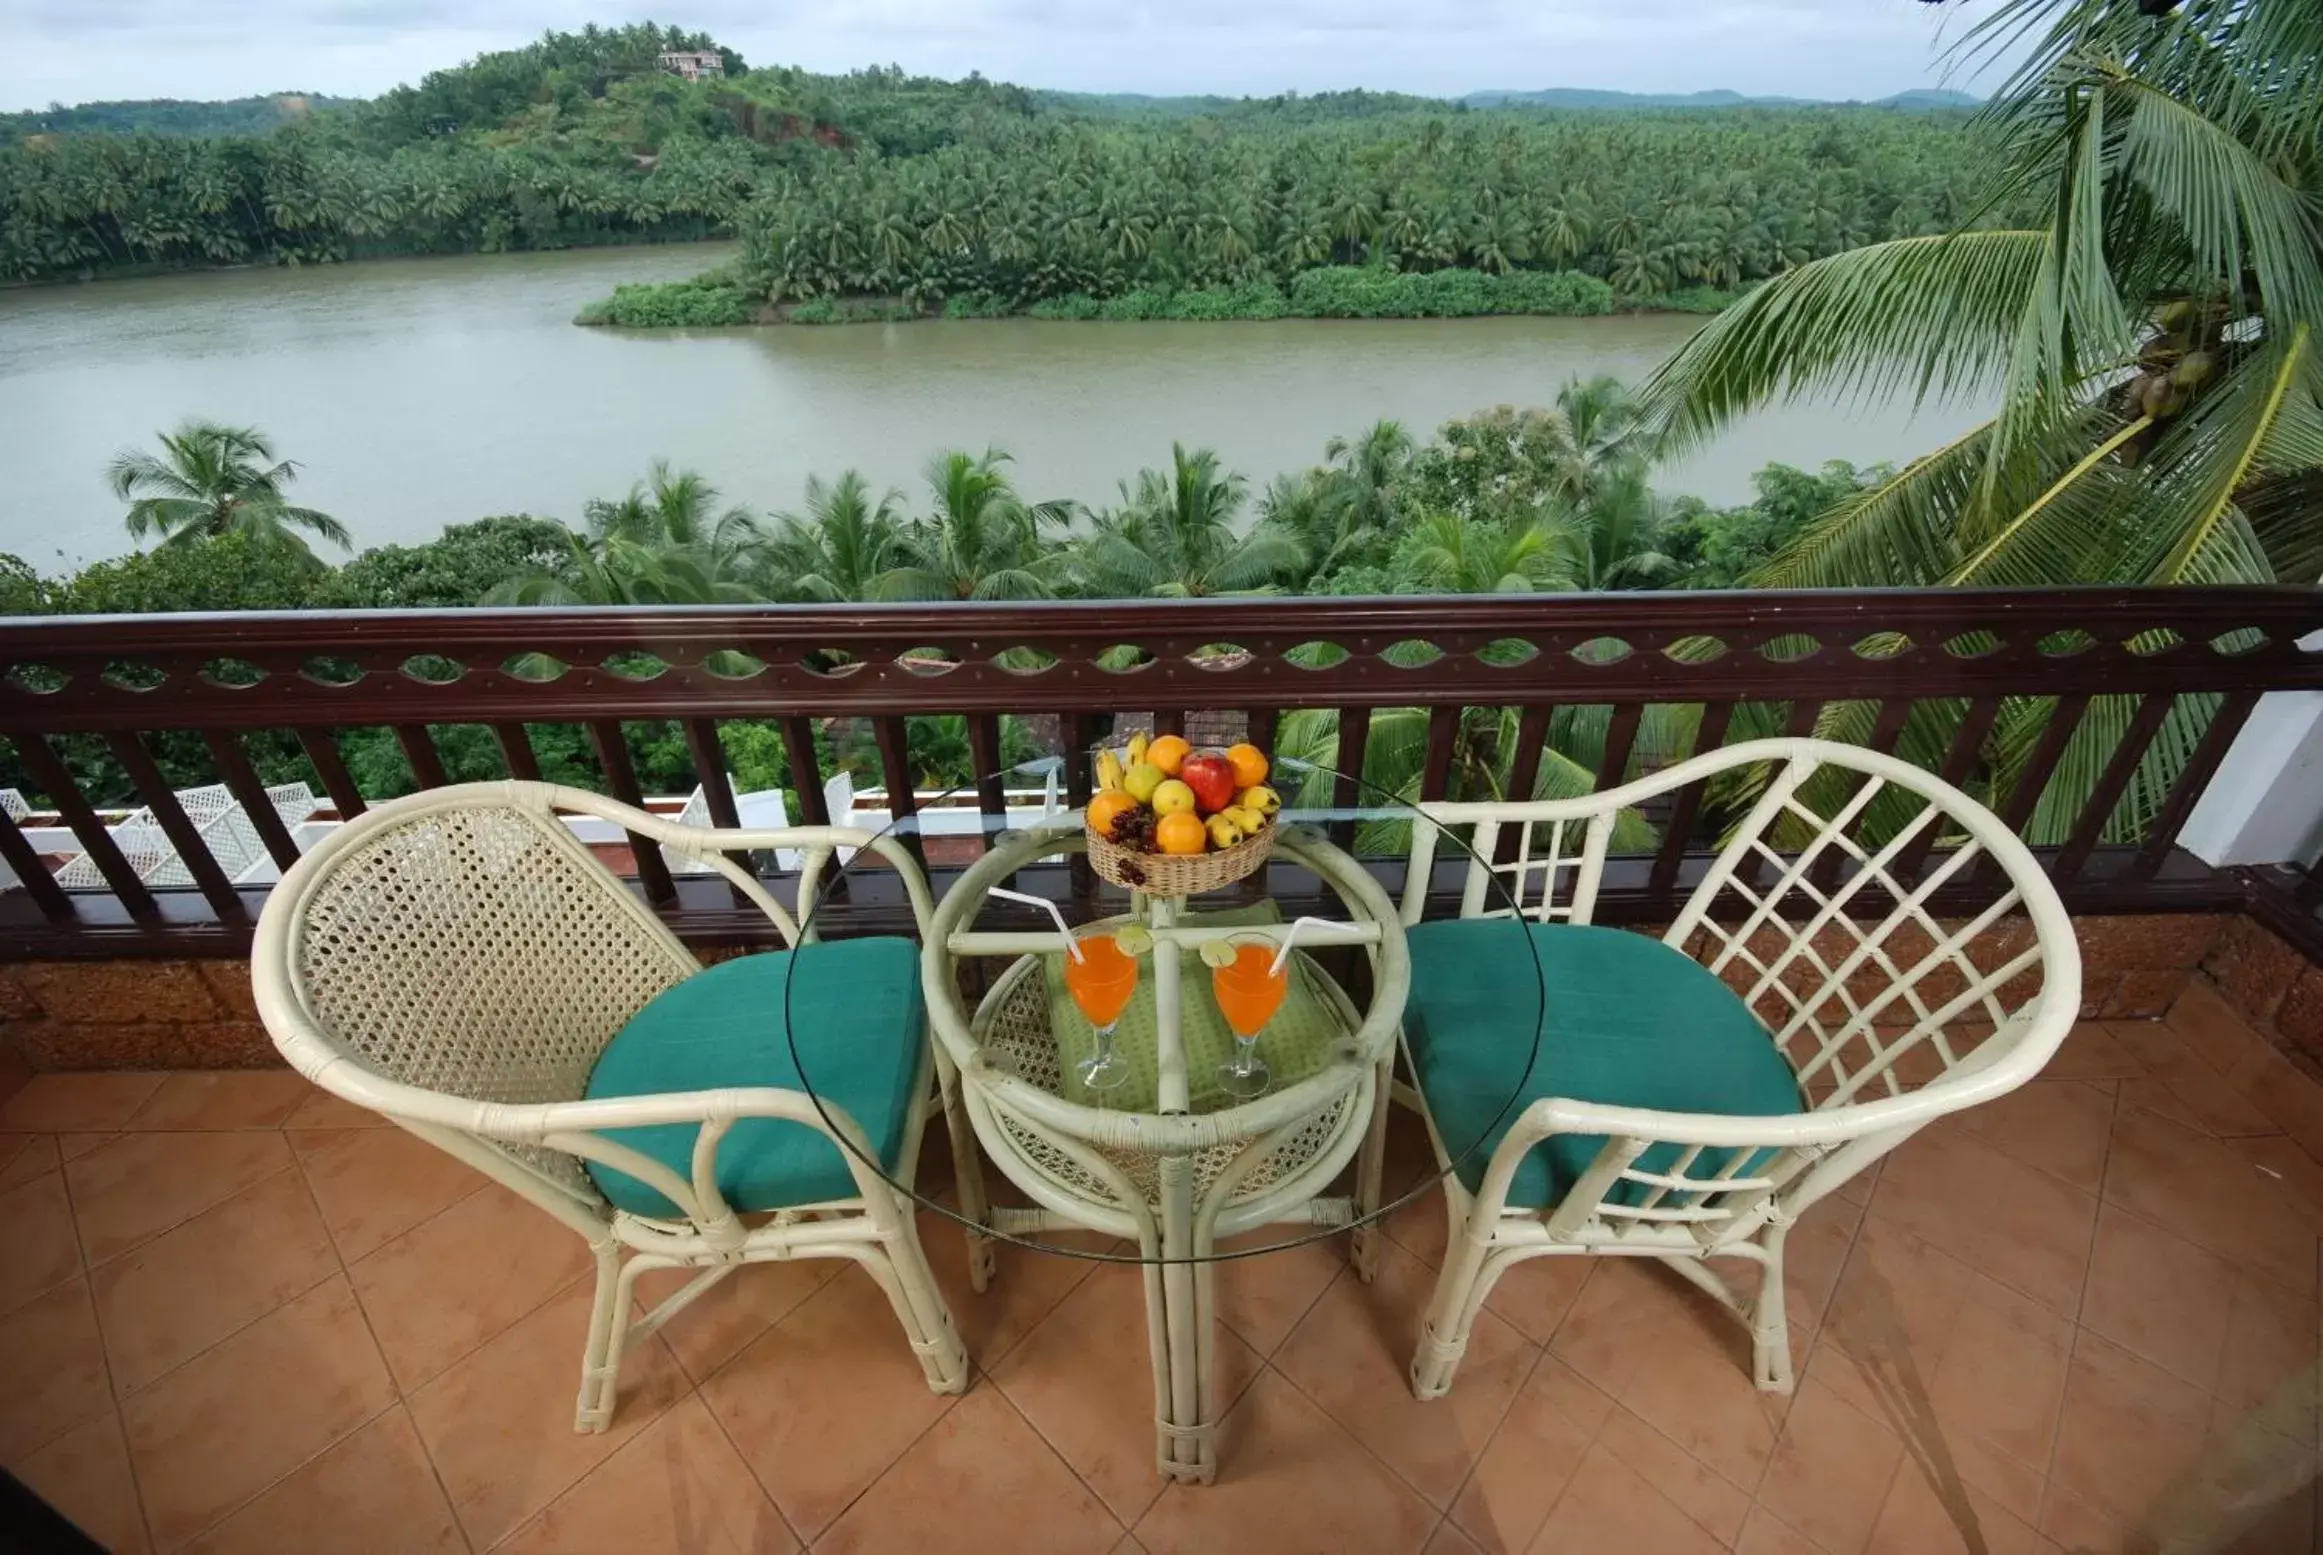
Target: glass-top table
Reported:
[(1173, 1088)]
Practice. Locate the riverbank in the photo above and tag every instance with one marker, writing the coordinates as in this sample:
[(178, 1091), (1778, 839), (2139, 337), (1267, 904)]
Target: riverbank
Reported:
[(717, 299)]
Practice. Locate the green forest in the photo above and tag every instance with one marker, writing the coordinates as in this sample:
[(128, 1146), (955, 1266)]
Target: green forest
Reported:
[(920, 194)]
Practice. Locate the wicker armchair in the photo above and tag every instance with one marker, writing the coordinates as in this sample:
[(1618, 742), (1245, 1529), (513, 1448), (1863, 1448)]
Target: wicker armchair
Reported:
[(458, 961), (1691, 1097)]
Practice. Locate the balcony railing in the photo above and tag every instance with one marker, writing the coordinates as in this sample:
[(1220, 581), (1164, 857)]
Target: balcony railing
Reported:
[(1932, 673)]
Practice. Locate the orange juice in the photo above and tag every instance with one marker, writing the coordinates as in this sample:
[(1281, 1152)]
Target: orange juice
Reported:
[(1102, 981), (1251, 990)]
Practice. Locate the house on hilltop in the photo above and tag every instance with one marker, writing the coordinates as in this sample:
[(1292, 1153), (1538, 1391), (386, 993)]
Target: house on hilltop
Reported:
[(694, 64)]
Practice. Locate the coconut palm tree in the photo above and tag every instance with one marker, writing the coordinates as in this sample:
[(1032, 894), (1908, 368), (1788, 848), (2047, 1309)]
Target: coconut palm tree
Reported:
[(841, 547), (1369, 465), (979, 541), (213, 480), (1174, 536), (1310, 508), (1615, 541), (1595, 431), (1453, 553), (663, 543), (2152, 333)]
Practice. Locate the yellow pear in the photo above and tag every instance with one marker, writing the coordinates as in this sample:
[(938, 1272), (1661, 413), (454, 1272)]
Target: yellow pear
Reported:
[(1172, 797)]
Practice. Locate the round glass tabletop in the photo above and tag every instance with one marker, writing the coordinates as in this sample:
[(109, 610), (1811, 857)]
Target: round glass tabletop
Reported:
[(1147, 1055)]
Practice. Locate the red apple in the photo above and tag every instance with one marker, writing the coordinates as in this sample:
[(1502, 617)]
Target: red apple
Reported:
[(1211, 777)]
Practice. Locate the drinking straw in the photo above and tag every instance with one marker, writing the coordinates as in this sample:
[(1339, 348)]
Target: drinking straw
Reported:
[(1071, 944), (1288, 940)]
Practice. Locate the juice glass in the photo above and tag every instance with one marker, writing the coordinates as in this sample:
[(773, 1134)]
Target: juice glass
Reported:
[(1249, 988), (1102, 981)]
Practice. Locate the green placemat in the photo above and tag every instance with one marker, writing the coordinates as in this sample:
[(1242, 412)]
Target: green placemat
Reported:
[(1295, 1044)]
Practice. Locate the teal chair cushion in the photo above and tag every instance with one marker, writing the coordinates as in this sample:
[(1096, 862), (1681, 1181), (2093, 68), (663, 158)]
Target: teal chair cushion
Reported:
[(860, 1023), (1630, 1022)]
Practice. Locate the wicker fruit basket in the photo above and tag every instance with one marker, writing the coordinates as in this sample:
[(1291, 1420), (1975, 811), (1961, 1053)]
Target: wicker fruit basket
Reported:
[(1179, 874)]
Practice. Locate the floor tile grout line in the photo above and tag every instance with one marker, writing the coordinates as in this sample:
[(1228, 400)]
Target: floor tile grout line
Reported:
[(2073, 1351), (1124, 1524), (1346, 1270), (472, 1349), (1128, 1524), (81, 1253), (271, 1485), (482, 1182), (951, 1402), (1540, 1359), (113, 1399), (159, 1232), (120, 1404), (1394, 1473), (235, 1332), (718, 1424), (402, 1402), (404, 1396)]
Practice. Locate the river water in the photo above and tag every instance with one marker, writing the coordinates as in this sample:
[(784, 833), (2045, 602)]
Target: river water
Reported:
[(418, 393)]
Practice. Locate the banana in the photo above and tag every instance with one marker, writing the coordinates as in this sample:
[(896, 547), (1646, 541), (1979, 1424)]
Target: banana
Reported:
[(1260, 798), (1249, 820), (1223, 832), (1137, 745), (1108, 770)]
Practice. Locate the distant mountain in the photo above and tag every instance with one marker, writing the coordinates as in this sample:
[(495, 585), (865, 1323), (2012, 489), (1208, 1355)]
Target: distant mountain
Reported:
[(1931, 98), (1920, 100)]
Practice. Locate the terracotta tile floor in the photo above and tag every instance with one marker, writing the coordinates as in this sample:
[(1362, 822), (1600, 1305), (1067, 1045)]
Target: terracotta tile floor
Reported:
[(236, 1317)]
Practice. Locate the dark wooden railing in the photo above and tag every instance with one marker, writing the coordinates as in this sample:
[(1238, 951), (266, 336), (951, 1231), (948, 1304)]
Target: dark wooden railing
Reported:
[(1970, 658)]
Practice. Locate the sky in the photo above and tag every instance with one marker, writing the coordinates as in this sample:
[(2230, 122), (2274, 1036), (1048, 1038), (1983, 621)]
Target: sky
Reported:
[(78, 50)]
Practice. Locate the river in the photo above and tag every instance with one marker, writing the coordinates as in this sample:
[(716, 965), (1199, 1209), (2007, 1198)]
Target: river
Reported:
[(418, 393)]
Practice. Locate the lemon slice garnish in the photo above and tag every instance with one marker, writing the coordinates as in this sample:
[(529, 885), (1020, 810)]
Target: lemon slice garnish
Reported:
[(1218, 953), (1133, 939)]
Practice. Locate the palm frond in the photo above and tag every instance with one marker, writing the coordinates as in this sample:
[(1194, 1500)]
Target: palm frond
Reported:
[(1936, 315), (1896, 534), (2234, 209), (2240, 428), (2057, 535)]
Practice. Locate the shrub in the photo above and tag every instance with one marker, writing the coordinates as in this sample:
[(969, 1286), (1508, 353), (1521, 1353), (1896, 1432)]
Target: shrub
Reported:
[(978, 305), (705, 302), (1348, 292), (1073, 305), (1693, 299)]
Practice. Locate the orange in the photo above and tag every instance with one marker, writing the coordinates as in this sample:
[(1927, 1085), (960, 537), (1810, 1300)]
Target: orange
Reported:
[(1169, 753), (1180, 833), (1249, 765), (1107, 807)]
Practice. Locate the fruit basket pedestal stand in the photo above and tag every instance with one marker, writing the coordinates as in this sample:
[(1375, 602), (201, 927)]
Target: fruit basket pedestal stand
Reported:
[(1175, 1180)]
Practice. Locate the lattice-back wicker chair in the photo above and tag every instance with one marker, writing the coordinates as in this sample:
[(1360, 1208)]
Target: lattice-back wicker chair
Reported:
[(460, 962), (1690, 1097)]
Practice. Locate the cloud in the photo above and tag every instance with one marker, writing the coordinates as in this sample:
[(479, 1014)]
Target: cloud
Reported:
[(73, 50)]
